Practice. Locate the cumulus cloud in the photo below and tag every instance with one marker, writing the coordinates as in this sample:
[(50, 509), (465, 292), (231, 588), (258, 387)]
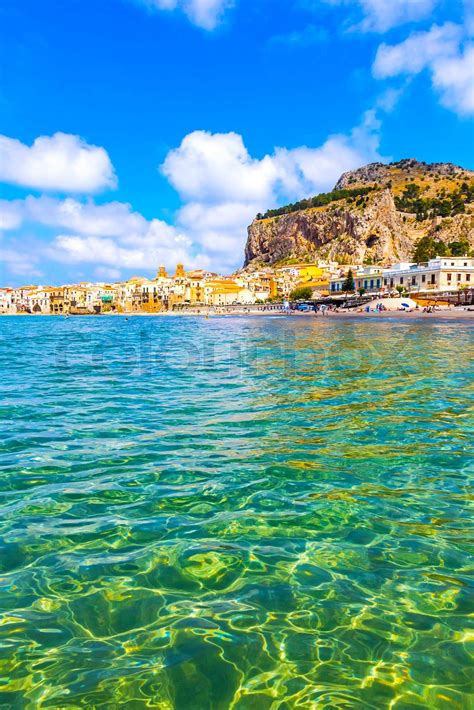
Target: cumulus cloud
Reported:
[(112, 219), (441, 51), (216, 168), (203, 13), (10, 215), (418, 52), (61, 162), (108, 235), (17, 260), (382, 15), (224, 187), (160, 243)]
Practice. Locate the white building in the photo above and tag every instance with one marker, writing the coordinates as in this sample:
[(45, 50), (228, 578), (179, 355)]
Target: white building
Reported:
[(6, 301), (447, 273), (38, 301)]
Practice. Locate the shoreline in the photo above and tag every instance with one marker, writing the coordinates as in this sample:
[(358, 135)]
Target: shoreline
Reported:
[(448, 314)]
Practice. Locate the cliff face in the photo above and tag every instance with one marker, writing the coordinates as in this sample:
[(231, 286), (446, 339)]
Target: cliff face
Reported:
[(372, 227)]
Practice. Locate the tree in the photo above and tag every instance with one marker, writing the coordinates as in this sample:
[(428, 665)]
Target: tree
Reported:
[(400, 289), (412, 191), (349, 284), (429, 248), (460, 248), (361, 291), (301, 293)]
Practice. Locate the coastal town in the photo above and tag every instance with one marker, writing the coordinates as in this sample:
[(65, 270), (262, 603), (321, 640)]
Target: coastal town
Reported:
[(441, 280)]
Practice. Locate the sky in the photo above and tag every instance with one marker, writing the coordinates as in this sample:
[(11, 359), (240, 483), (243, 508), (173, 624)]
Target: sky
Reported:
[(135, 133)]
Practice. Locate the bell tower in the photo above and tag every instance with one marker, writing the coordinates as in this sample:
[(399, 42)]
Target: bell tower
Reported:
[(162, 273), (179, 272)]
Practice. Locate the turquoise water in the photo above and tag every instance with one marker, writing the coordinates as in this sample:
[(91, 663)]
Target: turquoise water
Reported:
[(236, 513)]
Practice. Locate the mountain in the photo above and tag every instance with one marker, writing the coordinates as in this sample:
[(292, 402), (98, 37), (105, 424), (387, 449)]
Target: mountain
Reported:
[(376, 214)]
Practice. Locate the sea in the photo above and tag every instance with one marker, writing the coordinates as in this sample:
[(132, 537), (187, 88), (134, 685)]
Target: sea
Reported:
[(246, 513)]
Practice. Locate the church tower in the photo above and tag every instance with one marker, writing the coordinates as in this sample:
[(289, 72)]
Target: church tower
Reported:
[(162, 274), (179, 272)]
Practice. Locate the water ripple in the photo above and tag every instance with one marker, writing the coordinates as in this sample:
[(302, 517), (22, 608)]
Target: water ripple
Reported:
[(236, 513)]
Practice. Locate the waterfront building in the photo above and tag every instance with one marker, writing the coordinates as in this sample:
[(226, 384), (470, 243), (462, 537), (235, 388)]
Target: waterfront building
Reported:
[(369, 278), (56, 300), (226, 292), (6, 301), (75, 298), (19, 298), (442, 274), (154, 295)]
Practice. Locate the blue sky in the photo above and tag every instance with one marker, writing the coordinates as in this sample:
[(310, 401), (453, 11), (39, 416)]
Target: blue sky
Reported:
[(139, 132)]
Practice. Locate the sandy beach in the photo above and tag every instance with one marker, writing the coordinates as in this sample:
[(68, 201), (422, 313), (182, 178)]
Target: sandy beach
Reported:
[(448, 314)]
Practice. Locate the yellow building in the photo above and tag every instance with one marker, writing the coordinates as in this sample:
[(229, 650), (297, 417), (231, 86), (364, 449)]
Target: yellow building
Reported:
[(75, 299), (180, 273), (226, 292), (56, 300), (304, 272)]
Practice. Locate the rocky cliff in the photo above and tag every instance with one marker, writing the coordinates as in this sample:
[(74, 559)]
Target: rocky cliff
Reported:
[(378, 214)]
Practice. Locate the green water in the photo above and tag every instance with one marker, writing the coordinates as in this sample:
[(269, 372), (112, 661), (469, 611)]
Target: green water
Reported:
[(236, 513)]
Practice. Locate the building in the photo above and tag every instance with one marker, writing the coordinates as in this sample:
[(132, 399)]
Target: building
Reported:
[(447, 273), (6, 301), (369, 278), (56, 300), (226, 292)]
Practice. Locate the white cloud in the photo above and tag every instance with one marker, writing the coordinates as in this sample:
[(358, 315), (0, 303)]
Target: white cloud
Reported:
[(10, 215), (60, 162), (440, 51), (17, 260), (382, 15), (109, 235), (417, 52), (203, 13), (112, 219), (216, 167), (222, 187), (159, 244), (453, 77)]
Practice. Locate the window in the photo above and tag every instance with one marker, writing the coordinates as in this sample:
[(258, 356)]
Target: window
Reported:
[(413, 280), (423, 278), (449, 277), (468, 277), (433, 278), (459, 277), (401, 279)]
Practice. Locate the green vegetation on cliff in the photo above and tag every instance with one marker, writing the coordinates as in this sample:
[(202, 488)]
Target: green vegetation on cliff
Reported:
[(325, 198), (429, 248), (443, 205)]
